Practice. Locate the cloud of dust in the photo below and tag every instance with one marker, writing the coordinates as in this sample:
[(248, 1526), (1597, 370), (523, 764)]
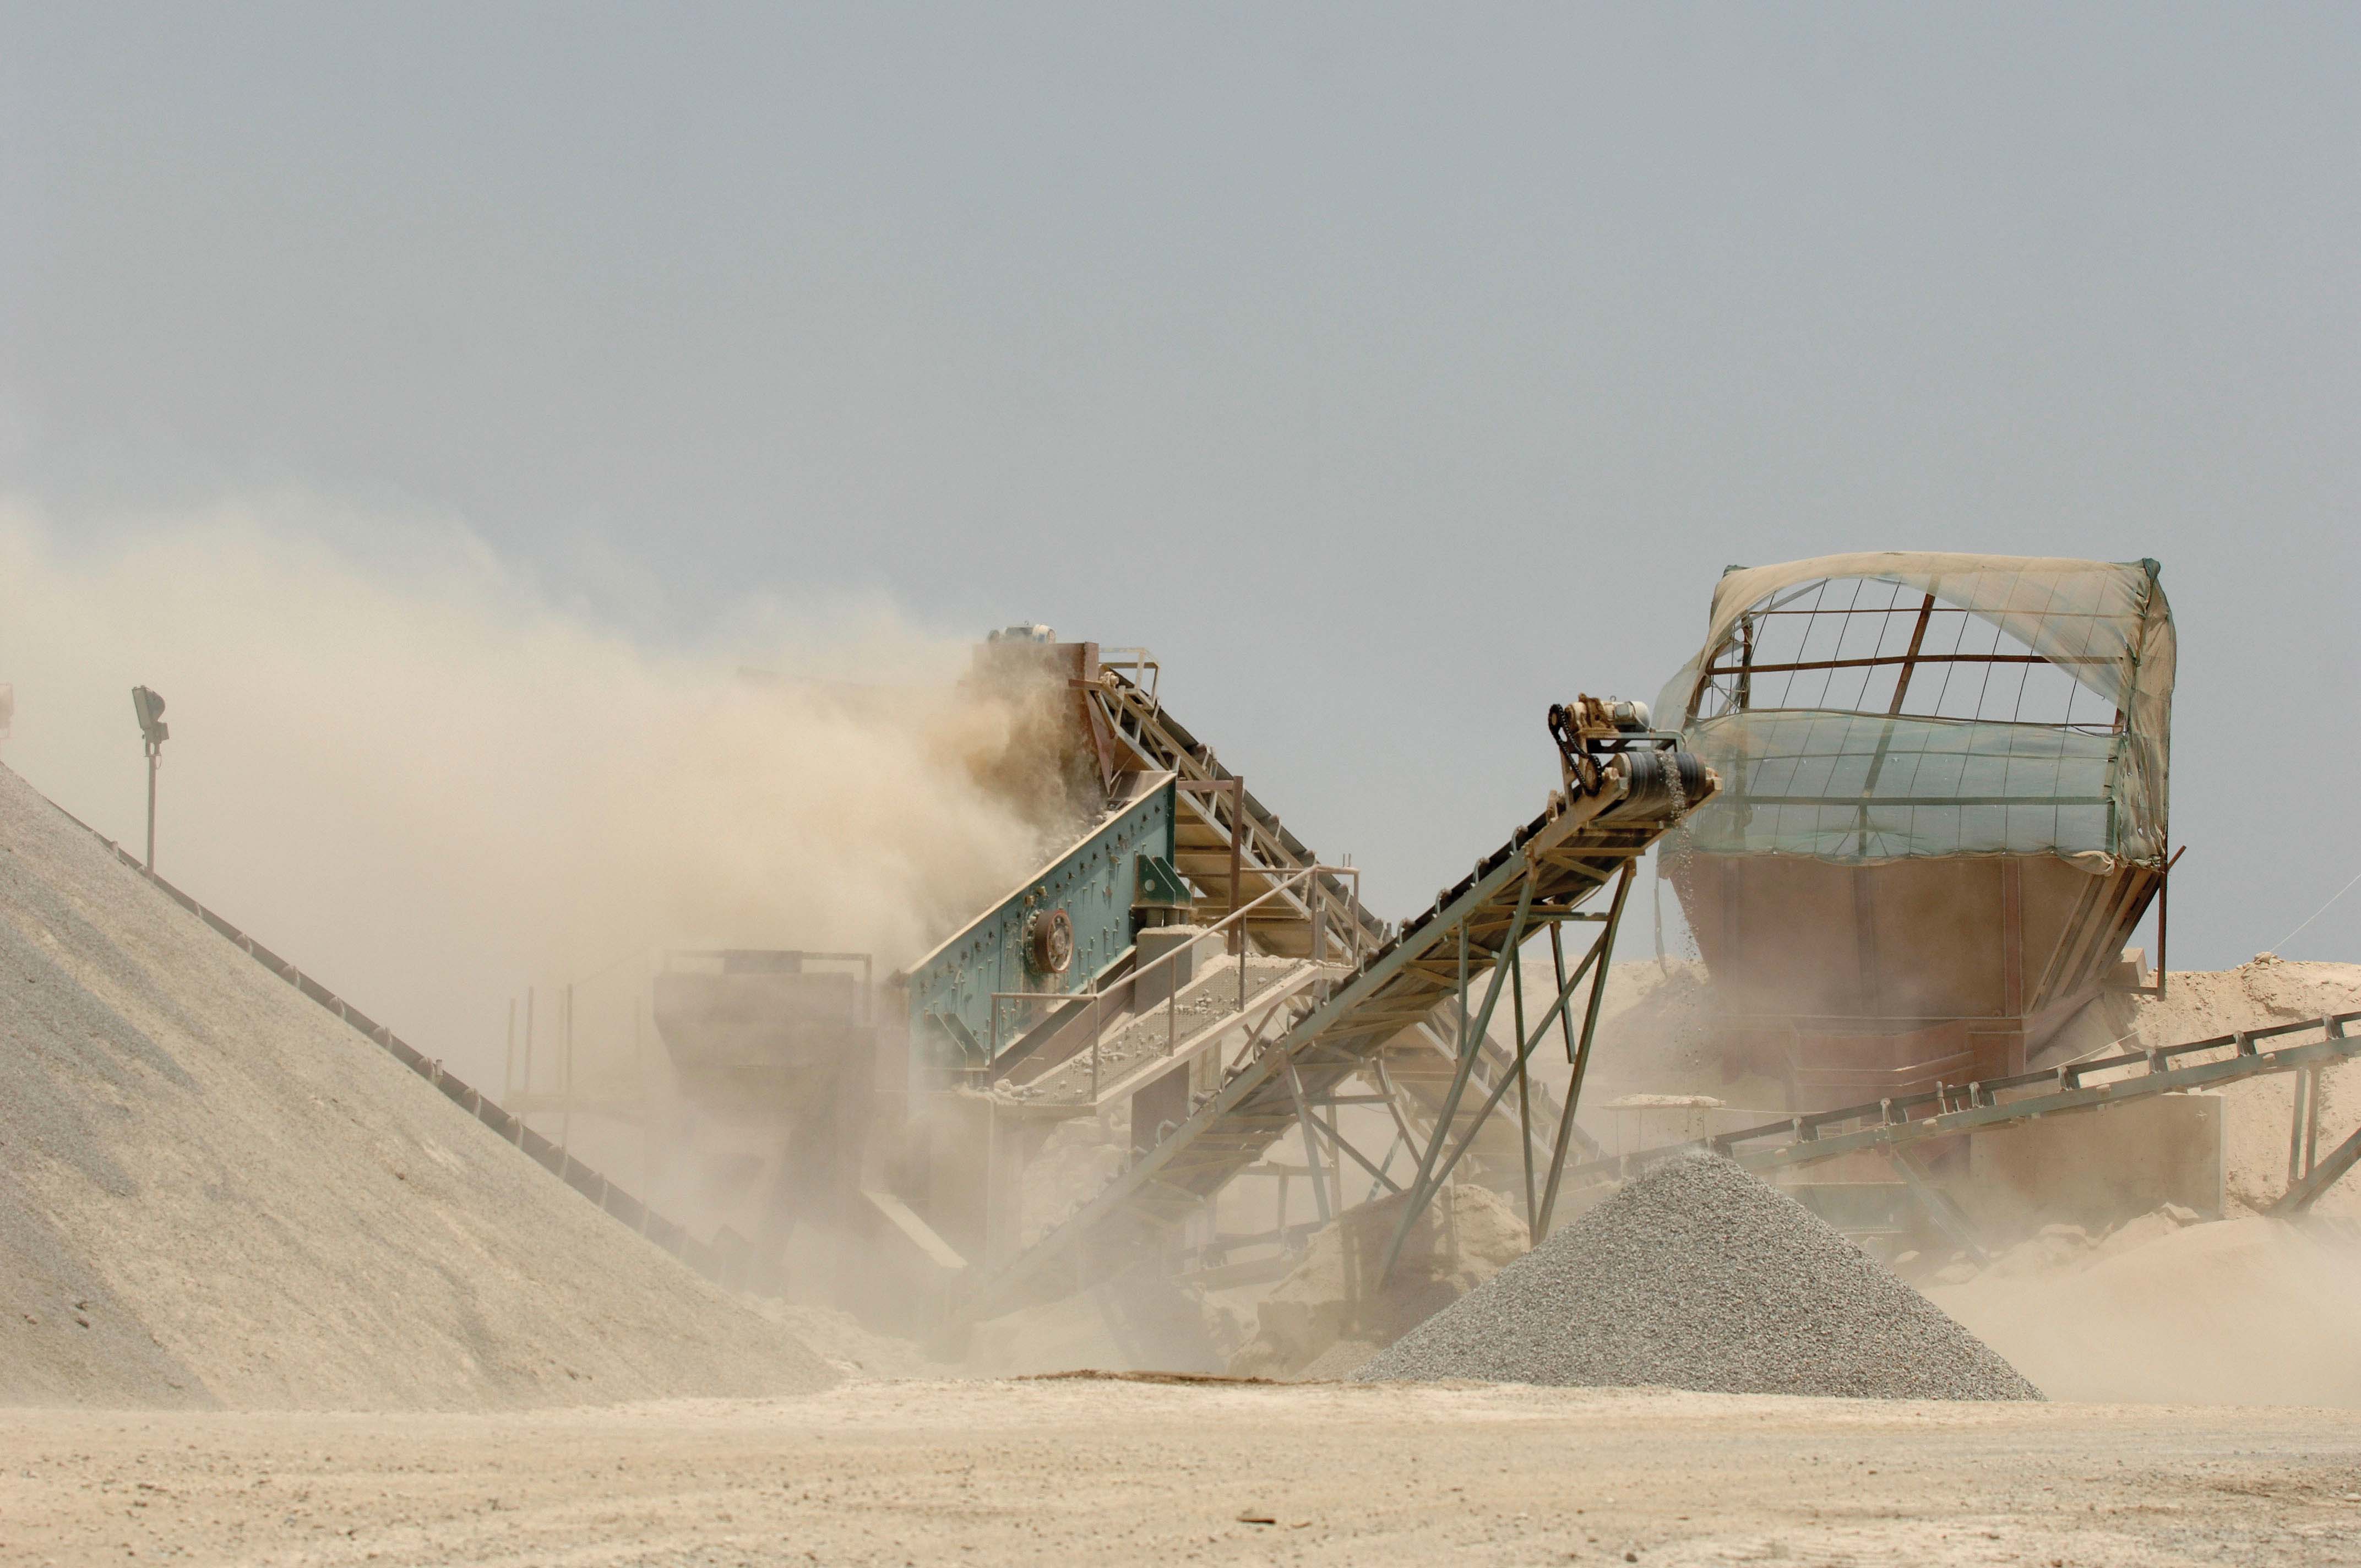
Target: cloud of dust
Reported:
[(399, 761), (2249, 1312)]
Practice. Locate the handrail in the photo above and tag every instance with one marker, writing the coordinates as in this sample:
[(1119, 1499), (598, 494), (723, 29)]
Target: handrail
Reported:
[(1192, 761), (1142, 659), (1096, 996), (1968, 1107)]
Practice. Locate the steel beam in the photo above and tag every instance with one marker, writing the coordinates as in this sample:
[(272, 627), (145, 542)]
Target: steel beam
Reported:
[(1504, 957), (1809, 1143), (2319, 1177), (1500, 1088), (1311, 1147), (1525, 1094), (1601, 953)]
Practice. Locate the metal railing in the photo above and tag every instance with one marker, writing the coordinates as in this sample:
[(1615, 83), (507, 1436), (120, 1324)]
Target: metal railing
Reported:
[(1142, 662), (1128, 987), (1255, 831), (1949, 1110)]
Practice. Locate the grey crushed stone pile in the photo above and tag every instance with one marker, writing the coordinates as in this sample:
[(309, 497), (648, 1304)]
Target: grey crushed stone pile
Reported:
[(215, 1194), (1698, 1275)]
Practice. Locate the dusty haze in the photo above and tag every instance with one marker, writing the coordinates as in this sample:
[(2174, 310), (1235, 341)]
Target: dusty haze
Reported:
[(399, 761)]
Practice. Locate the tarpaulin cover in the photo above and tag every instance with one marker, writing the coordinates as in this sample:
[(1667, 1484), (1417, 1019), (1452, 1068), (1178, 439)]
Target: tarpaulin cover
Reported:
[(1845, 785)]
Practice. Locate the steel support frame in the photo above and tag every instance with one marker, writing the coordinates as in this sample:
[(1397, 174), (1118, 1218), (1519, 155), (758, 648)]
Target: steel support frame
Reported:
[(1246, 1081), (1440, 1036), (2303, 1127), (1310, 1107), (2301, 1194), (1973, 1107), (1560, 1013), (1376, 1171), (1548, 847), (1504, 957), (1601, 953), (1321, 1169), (1199, 783), (1594, 965)]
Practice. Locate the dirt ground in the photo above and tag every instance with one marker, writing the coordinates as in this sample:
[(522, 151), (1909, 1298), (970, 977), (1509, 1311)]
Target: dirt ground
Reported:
[(1091, 1470)]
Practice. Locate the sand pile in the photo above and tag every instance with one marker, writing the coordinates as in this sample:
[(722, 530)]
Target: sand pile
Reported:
[(1333, 1313), (2197, 1003), (1697, 1276), (2252, 1311), (212, 1191)]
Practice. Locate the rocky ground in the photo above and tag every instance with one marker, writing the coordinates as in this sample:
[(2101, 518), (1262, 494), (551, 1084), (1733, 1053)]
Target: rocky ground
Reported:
[(1099, 1471)]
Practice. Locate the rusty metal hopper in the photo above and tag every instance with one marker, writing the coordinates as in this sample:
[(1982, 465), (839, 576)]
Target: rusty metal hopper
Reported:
[(1946, 811)]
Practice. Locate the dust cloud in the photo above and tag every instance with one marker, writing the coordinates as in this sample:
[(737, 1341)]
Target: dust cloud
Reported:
[(403, 763), (2249, 1312)]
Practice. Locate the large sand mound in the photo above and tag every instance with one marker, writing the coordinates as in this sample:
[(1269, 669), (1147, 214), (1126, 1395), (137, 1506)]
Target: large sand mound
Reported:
[(212, 1191), (1697, 1276)]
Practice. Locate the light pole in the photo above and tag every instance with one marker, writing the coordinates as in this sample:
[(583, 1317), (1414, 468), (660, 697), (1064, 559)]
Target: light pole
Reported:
[(154, 731)]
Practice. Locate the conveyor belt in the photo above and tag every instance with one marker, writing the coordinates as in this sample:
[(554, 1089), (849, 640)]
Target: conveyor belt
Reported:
[(1213, 800), (1949, 1111), (1228, 841), (1622, 795)]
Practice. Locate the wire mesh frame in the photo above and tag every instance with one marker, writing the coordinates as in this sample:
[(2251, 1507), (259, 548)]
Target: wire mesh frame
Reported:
[(1849, 747), (1878, 641)]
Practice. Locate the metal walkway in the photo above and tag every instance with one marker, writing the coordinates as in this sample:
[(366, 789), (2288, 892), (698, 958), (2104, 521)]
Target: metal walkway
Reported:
[(1624, 786)]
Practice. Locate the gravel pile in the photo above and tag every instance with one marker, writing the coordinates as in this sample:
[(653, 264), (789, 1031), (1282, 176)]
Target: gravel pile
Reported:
[(213, 1193), (1697, 1276)]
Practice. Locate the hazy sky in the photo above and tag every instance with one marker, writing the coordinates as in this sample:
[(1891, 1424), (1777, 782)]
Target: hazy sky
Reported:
[(1390, 372)]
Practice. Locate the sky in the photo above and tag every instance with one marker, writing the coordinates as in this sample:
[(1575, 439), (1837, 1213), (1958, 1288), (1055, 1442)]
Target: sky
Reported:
[(1392, 372)]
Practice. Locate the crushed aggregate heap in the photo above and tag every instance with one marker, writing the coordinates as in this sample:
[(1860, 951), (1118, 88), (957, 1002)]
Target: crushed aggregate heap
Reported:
[(213, 1193), (1698, 1275)]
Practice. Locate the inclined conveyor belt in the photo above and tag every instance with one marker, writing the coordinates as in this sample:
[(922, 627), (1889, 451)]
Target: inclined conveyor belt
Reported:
[(1623, 793), (1213, 803)]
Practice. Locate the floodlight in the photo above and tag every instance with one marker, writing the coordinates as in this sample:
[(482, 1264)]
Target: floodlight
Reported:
[(150, 708)]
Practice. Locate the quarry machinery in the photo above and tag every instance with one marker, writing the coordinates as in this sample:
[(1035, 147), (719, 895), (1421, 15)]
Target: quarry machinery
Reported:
[(1188, 976), (1623, 784), (770, 1053), (1234, 850), (2155, 1158), (1911, 804), (1944, 811)]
